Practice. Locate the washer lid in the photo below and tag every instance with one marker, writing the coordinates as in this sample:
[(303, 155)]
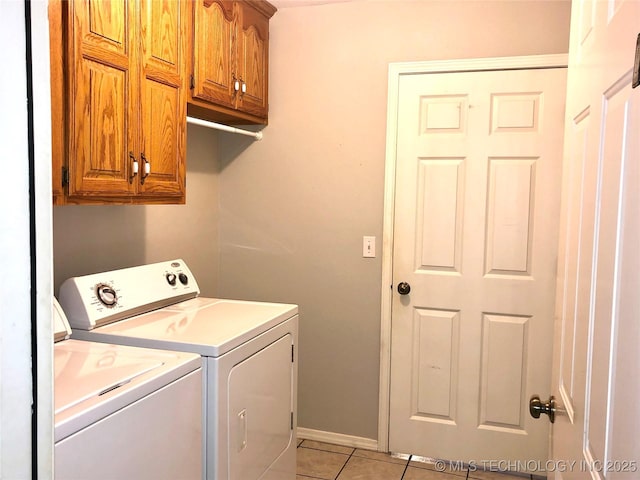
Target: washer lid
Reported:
[(208, 326), (93, 380)]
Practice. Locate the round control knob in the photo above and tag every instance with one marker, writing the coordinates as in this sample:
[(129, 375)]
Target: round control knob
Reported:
[(404, 288), (171, 279), (106, 294), (183, 278)]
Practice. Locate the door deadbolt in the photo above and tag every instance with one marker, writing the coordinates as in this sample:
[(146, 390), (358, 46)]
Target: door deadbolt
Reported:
[(537, 407)]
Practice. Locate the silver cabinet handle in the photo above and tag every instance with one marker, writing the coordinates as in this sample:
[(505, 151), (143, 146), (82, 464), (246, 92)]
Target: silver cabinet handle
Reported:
[(147, 168), (134, 167)]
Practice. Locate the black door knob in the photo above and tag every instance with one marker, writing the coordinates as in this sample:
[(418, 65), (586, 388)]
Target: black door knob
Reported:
[(404, 288)]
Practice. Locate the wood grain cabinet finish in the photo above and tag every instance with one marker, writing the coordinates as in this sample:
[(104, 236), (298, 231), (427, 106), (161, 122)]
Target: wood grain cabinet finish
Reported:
[(126, 93), (230, 61)]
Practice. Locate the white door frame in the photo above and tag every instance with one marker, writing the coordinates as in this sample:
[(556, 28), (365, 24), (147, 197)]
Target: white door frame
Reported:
[(396, 70), (26, 258), (43, 208)]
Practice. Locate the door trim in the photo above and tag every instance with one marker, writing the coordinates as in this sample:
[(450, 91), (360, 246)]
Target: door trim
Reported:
[(396, 70)]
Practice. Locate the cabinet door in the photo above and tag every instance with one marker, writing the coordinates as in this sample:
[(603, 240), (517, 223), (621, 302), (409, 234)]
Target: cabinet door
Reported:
[(103, 81), (163, 97), (213, 60), (253, 60)]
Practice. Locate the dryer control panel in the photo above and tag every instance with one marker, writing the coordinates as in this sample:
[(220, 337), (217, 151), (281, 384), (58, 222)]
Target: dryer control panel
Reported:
[(94, 300)]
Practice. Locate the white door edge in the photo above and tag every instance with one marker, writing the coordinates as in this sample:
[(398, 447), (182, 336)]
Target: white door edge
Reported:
[(396, 70), (44, 237)]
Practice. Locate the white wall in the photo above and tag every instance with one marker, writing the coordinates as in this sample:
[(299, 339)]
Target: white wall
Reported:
[(294, 207)]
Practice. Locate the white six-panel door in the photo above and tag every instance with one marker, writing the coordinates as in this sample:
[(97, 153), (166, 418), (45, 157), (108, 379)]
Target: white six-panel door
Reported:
[(477, 193), (597, 360)]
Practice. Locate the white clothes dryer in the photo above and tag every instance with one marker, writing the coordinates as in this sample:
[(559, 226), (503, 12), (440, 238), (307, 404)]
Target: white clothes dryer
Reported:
[(248, 351), (124, 412)]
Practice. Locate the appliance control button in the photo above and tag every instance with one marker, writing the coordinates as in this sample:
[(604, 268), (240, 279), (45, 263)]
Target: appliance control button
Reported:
[(171, 278), (106, 294), (183, 278)]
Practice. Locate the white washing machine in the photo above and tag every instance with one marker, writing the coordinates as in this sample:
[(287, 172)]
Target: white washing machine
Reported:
[(124, 412), (248, 351)]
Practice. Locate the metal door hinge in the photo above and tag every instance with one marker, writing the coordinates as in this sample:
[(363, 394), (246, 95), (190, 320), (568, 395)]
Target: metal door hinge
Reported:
[(292, 353), (636, 65), (291, 420), (193, 83), (65, 176)]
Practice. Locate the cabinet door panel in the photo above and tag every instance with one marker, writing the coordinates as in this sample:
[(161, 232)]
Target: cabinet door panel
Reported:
[(162, 36), (101, 121), (105, 24), (213, 47), (100, 162), (164, 139), (253, 57)]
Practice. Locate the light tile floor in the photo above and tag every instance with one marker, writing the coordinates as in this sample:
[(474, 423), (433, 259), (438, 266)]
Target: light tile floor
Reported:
[(324, 461)]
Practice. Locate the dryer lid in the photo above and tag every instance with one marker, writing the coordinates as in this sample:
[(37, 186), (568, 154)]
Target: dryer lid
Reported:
[(208, 326)]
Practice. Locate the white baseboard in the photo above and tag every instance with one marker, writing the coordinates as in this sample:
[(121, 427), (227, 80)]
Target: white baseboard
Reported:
[(337, 438)]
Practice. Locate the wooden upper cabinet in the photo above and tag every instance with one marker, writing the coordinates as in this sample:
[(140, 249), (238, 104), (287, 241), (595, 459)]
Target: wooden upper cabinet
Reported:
[(230, 60), (125, 112)]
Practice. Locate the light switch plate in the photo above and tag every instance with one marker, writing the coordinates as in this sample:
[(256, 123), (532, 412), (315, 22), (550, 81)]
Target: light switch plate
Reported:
[(368, 247)]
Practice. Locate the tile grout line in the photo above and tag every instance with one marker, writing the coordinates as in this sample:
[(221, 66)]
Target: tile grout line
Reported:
[(406, 467), (326, 451), (345, 463)]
